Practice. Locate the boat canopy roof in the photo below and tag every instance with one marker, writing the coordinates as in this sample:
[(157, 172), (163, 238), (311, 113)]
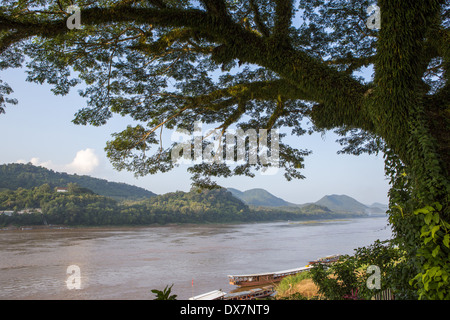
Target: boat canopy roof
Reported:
[(216, 294), (270, 273)]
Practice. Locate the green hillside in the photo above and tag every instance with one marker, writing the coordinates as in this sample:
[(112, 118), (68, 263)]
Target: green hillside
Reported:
[(342, 203), (27, 176), (259, 197)]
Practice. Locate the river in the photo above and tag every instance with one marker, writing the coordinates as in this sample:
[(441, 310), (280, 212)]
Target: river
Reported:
[(126, 263)]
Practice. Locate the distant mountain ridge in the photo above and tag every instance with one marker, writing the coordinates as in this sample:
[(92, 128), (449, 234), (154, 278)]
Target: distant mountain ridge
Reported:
[(341, 203), (27, 176), (259, 197), (335, 203)]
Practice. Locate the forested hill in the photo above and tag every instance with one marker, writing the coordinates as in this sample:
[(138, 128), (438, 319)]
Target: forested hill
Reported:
[(27, 176), (259, 197), (42, 205)]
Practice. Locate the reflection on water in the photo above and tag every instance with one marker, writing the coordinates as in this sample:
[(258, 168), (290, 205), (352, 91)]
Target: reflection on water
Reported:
[(126, 263)]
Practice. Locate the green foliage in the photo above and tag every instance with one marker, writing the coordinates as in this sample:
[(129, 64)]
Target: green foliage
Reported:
[(82, 209), (394, 266), (420, 231), (347, 278), (165, 294), (433, 280), (339, 281), (79, 206), (198, 207)]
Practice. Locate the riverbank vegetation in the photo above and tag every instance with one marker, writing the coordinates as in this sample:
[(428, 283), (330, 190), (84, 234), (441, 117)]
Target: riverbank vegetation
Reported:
[(81, 206), (367, 274), (297, 287)]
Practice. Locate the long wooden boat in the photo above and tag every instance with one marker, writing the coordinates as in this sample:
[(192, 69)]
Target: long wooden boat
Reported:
[(325, 260), (263, 278), (259, 279)]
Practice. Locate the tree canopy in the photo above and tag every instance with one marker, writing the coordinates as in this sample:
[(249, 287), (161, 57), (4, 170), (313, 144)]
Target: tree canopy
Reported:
[(255, 64)]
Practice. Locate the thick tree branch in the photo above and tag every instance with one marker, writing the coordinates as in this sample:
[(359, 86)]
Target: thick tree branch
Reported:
[(259, 90), (196, 19), (353, 63), (344, 96), (284, 10), (258, 21)]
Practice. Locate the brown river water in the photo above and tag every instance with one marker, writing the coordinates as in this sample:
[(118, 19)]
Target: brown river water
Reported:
[(127, 263)]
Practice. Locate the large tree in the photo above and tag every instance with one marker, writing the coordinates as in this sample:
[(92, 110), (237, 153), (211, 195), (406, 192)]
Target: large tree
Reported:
[(262, 64)]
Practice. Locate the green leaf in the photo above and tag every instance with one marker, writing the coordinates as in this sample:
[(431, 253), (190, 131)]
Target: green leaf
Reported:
[(436, 217), (422, 210), (428, 239), (446, 241), (428, 218), (438, 206), (434, 230), (445, 224), (431, 273), (436, 251), (425, 232)]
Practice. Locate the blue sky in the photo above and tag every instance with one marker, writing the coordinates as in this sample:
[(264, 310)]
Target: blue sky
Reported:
[(39, 130)]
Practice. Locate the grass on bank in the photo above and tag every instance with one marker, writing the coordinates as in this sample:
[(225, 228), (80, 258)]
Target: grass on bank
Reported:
[(299, 286)]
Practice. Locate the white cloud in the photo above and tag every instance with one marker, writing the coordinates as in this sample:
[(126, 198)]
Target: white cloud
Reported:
[(36, 162), (85, 161)]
